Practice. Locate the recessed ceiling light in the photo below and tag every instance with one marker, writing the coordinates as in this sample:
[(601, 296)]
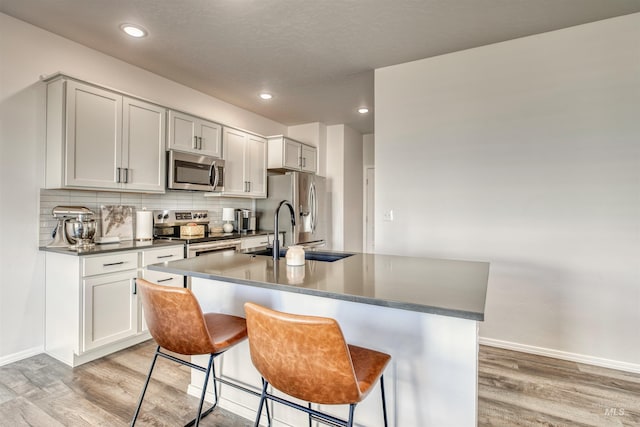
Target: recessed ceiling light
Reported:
[(265, 95), (363, 110), (133, 30)]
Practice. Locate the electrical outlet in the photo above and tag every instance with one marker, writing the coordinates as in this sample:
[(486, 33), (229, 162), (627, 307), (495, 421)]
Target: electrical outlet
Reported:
[(388, 215)]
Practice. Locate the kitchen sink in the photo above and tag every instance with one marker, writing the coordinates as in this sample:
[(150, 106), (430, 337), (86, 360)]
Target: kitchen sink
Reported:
[(324, 256)]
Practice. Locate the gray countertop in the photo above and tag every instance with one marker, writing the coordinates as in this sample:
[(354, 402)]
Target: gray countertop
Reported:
[(438, 286), (127, 245)]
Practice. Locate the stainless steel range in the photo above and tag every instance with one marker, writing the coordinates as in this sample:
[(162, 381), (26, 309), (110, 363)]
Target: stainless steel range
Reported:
[(192, 228)]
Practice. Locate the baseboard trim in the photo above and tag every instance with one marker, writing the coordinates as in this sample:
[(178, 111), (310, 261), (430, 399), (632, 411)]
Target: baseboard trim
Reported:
[(14, 357), (572, 357)]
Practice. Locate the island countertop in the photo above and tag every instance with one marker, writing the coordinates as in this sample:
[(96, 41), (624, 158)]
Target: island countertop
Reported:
[(438, 286)]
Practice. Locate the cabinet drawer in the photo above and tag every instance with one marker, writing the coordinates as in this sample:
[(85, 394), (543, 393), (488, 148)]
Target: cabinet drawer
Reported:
[(92, 266), (160, 255), (161, 278)]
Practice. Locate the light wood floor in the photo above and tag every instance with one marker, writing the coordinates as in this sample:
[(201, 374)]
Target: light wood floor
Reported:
[(515, 389)]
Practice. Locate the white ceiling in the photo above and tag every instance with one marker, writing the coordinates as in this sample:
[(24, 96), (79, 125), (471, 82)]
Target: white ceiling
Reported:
[(316, 56)]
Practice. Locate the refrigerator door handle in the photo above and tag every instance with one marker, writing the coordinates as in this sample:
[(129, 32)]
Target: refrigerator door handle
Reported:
[(314, 207)]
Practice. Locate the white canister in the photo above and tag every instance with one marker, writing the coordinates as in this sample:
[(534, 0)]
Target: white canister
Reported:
[(295, 255)]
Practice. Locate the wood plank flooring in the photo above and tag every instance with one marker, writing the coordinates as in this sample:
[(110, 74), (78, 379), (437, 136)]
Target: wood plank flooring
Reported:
[(521, 389), (515, 389)]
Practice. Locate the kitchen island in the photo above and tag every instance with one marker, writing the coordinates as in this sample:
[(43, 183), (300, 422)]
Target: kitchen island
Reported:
[(422, 311)]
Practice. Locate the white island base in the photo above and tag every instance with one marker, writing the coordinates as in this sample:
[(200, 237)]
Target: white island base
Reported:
[(431, 380)]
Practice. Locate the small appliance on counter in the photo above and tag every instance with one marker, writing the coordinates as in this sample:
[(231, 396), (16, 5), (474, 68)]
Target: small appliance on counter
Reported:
[(245, 220), (76, 227)]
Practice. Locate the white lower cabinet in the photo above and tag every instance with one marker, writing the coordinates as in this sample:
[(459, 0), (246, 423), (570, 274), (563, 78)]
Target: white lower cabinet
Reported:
[(110, 310), (91, 305)]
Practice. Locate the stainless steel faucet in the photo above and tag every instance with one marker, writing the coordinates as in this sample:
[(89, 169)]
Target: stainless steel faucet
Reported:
[(276, 241)]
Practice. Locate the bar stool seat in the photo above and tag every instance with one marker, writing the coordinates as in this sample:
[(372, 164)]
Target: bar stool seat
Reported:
[(177, 324), (306, 357)]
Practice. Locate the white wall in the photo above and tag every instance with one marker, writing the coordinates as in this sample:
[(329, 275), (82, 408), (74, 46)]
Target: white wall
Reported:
[(525, 154), (26, 52), (344, 173), (353, 190), (368, 150), (335, 183)]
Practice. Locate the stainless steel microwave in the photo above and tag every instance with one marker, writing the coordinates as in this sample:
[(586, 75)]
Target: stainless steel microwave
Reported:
[(194, 172)]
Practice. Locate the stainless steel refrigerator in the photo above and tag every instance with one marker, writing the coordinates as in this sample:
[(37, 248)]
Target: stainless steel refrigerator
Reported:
[(307, 194)]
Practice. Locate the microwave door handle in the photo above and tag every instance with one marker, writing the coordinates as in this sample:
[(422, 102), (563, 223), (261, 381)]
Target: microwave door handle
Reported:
[(213, 176)]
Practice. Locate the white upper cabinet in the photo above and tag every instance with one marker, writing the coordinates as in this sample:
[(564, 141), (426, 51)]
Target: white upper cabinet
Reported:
[(194, 135), (100, 139), (288, 154), (245, 168), (93, 146), (143, 140), (309, 156)]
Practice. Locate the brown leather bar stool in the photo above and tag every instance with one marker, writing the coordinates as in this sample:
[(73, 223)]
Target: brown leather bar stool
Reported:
[(306, 357), (177, 324)]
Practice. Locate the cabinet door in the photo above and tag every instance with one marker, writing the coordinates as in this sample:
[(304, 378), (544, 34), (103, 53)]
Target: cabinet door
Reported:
[(110, 309), (94, 136), (291, 152), (210, 139), (309, 159), (234, 149), (143, 146), (256, 166), (182, 132)]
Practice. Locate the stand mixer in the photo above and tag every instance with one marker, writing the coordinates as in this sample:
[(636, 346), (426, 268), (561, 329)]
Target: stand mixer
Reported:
[(76, 227)]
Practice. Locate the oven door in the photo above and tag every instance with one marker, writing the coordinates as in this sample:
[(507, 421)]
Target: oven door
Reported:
[(198, 249)]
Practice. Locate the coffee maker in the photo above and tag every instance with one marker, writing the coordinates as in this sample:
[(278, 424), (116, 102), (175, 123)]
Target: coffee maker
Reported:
[(245, 221)]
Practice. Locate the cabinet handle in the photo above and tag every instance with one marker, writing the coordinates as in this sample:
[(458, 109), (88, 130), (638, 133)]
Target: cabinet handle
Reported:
[(200, 139), (248, 186), (113, 263), (126, 175), (165, 256), (135, 287), (195, 143), (118, 173), (165, 280), (304, 162)]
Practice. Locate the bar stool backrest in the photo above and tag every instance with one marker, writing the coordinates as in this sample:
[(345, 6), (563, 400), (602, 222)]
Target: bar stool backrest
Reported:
[(303, 356), (175, 319)]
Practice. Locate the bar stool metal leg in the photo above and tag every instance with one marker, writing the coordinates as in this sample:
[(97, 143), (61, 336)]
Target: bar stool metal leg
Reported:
[(204, 392), (384, 401), (352, 408), (263, 397), (144, 389)]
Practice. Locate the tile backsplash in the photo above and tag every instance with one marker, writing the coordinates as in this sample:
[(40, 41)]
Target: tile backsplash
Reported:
[(95, 199)]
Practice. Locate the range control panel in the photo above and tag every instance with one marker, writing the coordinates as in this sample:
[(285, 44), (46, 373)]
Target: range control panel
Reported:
[(173, 217)]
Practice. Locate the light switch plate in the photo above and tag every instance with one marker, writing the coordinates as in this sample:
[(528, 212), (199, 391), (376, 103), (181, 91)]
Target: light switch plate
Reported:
[(388, 215)]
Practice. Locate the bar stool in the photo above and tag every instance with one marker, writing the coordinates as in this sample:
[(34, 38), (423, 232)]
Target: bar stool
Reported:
[(177, 324), (306, 357)]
